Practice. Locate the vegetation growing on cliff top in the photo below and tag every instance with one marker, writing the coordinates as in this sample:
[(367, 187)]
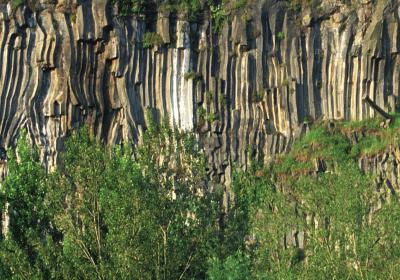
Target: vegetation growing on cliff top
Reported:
[(152, 39), (189, 7), (105, 214), (192, 7)]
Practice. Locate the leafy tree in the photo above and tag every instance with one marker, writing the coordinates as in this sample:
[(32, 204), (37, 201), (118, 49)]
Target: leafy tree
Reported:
[(336, 215), (146, 213), (29, 250), (123, 218), (234, 267), (110, 213)]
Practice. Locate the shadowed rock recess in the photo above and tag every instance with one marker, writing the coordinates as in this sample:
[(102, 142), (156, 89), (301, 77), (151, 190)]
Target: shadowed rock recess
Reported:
[(248, 91)]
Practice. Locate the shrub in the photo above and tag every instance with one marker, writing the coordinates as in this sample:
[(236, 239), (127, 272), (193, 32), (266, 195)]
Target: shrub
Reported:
[(234, 267), (218, 16), (17, 3), (193, 75), (152, 39)]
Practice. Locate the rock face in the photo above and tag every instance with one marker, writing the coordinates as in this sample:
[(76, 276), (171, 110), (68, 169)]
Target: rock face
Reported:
[(247, 92)]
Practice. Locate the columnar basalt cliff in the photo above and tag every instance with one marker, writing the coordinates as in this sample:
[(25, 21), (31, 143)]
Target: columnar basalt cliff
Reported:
[(248, 91)]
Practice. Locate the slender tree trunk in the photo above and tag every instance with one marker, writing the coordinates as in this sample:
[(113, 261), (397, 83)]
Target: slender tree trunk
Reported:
[(165, 252), (5, 221), (5, 217)]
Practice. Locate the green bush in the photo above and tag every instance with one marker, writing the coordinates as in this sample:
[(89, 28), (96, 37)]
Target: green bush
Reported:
[(17, 3), (105, 215), (196, 77), (218, 15), (234, 267), (152, 39), (146, 213)]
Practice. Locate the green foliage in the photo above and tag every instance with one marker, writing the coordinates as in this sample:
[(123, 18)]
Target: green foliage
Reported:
[(146, 213), (298, 5), (17, 3), (152, 39), (196, 77), (369, 124), (285, 82), (222, 100), (127, 7), (188, 6), (26, 252), (239, 4), (280, 35), (191, 8), (104, 215), (202, 112), (234, 267), (257, 96), (24, 182), (218, 16), (341, 239), (209, 96), (374, 135), (73, 18), (212, 117), (319, 143), (337, 209)]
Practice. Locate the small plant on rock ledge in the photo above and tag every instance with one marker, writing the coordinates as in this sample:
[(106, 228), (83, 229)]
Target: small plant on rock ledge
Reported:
[(222, 100), (246, 16), (212, 117), (218, 16), (73, 18), (280, 35), (196, 77), (209, 96), (152, 39), (202, 112), (17, 3), (285, 82)]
